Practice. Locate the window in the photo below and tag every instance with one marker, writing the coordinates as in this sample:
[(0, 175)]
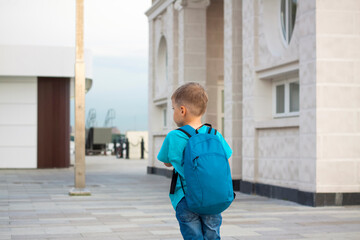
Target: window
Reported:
[(161, 70), (288, 16), (294, 96), (165, 117), (286, 98)]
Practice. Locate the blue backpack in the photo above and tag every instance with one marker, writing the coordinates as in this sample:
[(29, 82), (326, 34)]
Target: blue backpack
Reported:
[(207, 173)]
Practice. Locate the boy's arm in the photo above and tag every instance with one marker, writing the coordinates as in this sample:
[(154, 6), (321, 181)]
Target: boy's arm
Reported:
[(172, 149), (168, 164), (228, 150), (163, 155)]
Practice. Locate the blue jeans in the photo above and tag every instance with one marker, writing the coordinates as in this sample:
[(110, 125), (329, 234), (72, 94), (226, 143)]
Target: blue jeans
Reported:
[(197, 227)]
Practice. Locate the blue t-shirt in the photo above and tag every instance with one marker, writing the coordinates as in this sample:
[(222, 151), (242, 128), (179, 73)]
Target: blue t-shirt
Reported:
[(172, 152)]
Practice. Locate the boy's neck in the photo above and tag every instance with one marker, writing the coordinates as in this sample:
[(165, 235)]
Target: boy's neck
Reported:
[(194, 123)]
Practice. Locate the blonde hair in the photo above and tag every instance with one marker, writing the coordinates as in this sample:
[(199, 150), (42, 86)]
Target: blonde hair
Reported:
[(192, 96)]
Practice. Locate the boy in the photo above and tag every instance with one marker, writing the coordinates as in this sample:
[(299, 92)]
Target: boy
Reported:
[(189, 103)]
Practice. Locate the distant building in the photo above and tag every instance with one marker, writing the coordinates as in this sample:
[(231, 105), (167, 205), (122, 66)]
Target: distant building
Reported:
[(36, 83), (284, 88)]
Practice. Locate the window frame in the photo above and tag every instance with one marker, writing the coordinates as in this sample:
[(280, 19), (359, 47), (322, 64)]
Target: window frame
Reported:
[(286, 83)]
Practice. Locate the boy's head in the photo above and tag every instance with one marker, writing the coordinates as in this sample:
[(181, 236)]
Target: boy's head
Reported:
[(189, 98)]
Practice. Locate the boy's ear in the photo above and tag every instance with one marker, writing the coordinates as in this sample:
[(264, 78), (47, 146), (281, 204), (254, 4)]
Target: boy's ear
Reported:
[(183, 110)]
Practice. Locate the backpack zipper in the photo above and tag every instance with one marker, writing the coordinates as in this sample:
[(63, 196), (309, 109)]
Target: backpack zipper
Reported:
[(195, 162)]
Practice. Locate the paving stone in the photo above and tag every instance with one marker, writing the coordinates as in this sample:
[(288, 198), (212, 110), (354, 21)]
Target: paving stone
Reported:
[(126, 203)]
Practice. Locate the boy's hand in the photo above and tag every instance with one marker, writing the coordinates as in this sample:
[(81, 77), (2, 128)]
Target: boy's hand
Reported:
[(168, 164)]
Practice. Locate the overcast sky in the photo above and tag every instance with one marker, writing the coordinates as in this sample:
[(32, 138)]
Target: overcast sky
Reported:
[(116, 31)]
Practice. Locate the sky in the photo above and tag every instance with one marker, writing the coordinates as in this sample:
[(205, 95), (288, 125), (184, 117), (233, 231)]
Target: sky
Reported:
[(116, 32)]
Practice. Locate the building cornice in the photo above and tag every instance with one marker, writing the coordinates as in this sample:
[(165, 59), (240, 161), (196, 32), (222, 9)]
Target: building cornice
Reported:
[(158, 7), (31, 60), (180, 4)]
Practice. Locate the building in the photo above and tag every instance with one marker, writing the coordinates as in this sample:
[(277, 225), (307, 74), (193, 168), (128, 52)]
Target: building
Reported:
[(282, 81), (37, 66), (36, 83)]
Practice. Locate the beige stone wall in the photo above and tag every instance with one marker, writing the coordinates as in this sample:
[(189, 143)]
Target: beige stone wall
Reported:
[(278, 152), (338, 96), (239, 42)]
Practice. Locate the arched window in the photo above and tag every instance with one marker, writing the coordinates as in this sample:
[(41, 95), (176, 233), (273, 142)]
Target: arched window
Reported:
[(162, 67), (288, 16)]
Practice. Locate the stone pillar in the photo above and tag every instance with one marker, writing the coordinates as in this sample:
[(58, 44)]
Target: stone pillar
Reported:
[(338, 99), (249, 166), (172, 83), (151, 156), (192, 40), (307, 77), (233, 82)]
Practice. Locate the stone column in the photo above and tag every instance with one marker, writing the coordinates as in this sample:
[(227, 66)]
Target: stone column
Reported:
[(151, 157), (233, 82), (337, 99), (192, 40), (249, 165), (307, 77), (171, 36)]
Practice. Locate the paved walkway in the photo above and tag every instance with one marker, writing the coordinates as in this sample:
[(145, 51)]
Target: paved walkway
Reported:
[(126, 203)]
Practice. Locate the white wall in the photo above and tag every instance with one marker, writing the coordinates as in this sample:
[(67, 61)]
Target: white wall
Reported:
[(49, 61), (135, 143), (18, 122)]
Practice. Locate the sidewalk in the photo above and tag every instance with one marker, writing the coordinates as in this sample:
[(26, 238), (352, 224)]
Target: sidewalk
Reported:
[(126, 203)]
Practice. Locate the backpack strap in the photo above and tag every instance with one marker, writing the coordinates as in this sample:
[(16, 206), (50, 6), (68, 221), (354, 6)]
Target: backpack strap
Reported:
[(182, 186), (174, 178), (188, 130), (173, 181), (205, 124), (182, 130), (210, 128)]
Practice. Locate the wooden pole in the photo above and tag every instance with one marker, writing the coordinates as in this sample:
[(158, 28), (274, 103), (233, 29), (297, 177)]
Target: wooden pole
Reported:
[(79, 104)]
